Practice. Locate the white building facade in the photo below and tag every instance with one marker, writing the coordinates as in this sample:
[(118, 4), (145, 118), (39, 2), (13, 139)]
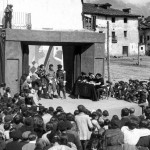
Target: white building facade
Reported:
[(123, 29)]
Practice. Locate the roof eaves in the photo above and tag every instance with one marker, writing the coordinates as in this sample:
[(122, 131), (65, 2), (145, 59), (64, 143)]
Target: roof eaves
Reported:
[(117, 15)]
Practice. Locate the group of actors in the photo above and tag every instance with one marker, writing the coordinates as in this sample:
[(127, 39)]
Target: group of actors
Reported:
[(96, 80), (48, 83)]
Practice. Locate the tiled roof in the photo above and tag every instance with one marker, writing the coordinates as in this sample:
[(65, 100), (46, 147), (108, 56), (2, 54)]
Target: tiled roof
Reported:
[(148, 19), (92, 9), (145, 26)]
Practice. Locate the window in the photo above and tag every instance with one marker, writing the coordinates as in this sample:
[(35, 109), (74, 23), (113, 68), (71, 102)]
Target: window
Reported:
[(113, 35), (113, 19), (141, 48), (89, 23), (114, 38), (148, 38), (125, 20), (125, 33), (141, 39)]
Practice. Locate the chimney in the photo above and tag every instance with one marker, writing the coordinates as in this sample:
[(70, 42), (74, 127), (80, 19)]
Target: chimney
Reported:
[(105, 6), (127, 10)]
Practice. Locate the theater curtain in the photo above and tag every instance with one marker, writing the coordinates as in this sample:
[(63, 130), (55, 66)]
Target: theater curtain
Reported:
[(2, 61)]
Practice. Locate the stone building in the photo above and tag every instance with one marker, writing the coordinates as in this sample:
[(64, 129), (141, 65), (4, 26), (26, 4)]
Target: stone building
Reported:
[(123, 27)]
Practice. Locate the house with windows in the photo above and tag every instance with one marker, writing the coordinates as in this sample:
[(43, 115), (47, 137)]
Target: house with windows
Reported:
[(144, 29), (120, 27)]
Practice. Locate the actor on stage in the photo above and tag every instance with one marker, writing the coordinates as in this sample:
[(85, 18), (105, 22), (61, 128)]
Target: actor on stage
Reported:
[(52, 82), (61, 81), (43, 81), (8, 16)]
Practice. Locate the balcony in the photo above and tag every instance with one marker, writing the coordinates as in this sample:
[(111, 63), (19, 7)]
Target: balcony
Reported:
[(20, 20), (114, 39)]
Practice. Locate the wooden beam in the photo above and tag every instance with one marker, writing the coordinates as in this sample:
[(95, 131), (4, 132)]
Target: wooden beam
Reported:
[(48, 55)]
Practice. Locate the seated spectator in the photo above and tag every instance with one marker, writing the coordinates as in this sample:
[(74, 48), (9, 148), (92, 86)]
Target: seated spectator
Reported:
[(46, 116), (124, 116), (2, 142), (114, 137), (131, 132), (8, 92), (32, 142), (105, 115), (102, 129), (1, 125), (7, 130), (40, 144), (2, 89), (28, 125), (25, 138), (115, 117), (15, 144), (145, 140), (16, 100), (17, 122), (70, 117), (57, 144), (96, 126), (106, 124), (8, 118), (38, 126), (49, 129), (64, 141)]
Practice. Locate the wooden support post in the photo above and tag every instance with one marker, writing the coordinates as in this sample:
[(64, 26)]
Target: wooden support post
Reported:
[(108, 55)]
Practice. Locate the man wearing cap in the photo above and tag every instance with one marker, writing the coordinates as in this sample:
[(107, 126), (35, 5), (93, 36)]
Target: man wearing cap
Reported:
[(8, 16), (61, 81), (52, 81)]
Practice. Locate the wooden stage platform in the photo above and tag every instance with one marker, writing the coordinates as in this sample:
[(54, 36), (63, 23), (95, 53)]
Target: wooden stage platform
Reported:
[(112, 105)]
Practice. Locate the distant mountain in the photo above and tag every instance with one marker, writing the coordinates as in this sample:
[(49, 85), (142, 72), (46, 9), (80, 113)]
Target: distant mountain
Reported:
[(135, 9)]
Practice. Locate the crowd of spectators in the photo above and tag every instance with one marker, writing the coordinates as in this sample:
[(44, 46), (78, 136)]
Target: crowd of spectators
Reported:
[(31, 127), (132, 91)]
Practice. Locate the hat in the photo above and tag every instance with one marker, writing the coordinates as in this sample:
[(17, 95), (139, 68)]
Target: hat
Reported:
[(51, 65), (68, 125), (90, 73), (98, 74), (83, 73), (16, 95), (51, 109), (41, 65), (8, 118), (15, 134), (62, 126), (59, 66), (115, 123), (25, 135)]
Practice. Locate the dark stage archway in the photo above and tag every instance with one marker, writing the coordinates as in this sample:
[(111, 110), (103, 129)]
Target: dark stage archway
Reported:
[(82, 51)]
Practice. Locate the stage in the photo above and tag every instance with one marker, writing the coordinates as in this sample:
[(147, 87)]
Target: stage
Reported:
[(112, 105)]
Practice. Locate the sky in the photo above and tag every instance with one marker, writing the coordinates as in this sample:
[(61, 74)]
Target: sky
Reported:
[(66, 14), (54, 14), (137, 2), (140, 7)]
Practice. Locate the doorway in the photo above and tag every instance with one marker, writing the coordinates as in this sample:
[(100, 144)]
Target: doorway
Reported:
[(125, 51), (13, 81)]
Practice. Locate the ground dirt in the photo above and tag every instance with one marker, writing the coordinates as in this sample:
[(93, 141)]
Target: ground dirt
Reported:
[(125, 68)]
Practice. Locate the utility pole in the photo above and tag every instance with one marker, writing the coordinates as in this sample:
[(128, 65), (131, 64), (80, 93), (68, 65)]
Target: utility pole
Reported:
[(139, 29), (108, 56)]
